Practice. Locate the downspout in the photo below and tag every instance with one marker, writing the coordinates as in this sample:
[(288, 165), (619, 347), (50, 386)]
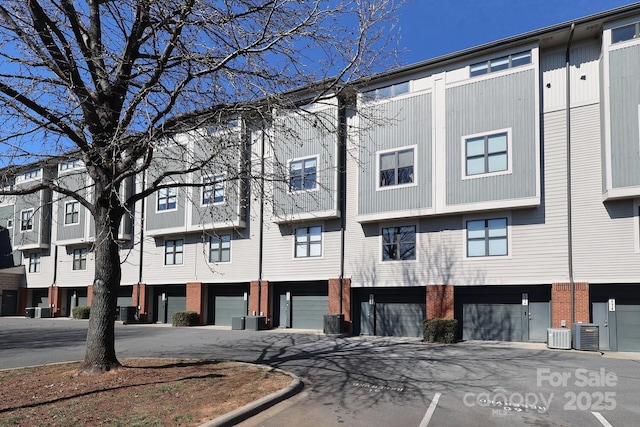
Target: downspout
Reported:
[(569, 214), (342, 187), (261, 229), (141, 246)]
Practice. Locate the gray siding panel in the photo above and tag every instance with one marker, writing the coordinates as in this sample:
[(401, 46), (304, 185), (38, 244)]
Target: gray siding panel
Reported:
[(397, 124), (624, 80), (165, 219), (506, 101)]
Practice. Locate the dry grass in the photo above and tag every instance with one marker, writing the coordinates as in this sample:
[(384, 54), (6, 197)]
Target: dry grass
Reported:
[(144, 392)]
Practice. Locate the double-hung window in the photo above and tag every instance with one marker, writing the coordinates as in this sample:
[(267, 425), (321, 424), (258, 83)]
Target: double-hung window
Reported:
[(220, 248), (173, 251), (399, 243), (80, 259), (396, 167), (487, 237), (487, 154), (308, 242), (34, 262), (213, 190), (303, 174), (71, 213), (167, 199), (26, 220)]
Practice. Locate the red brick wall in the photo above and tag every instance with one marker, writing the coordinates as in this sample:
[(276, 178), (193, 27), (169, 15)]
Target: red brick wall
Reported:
[(262, 290), (561, 303), (440, 301), (89, 295), (55, 298), (334, 299), (22, 303), (139, 296), (194, 298)]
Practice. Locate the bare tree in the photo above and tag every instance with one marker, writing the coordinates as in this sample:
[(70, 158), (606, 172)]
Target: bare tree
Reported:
[(111, 81)]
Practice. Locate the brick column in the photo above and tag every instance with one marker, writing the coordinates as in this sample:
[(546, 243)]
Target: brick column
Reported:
[(335, 285), (561, 303), (260, 299), (22, 300), (89, 295), (55, 298), (194, 298), (139, 298), (440, 302)]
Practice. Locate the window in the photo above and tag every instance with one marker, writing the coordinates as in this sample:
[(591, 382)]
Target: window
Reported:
[(302, 174), (399, 243), (220, 248), (9, 223), (396, 167), (70, 164), (308, 242), (387, 91), (80, 259), (34, 262), (71, 213), (26, 220), (213, 190), (486, 154), (487, 237), (35, 173), (502, 63), (628, 32), (173, 250), (166, 199)]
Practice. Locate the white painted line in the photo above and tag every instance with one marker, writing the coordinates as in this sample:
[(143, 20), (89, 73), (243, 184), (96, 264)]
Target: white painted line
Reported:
[(430, 411), (602, 419)]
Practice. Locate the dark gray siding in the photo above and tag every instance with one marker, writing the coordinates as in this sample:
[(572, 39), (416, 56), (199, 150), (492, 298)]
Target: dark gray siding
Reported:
[(396, 124), (41, 215), (624, 80), (77, 183), (166, 219), (506, 101)]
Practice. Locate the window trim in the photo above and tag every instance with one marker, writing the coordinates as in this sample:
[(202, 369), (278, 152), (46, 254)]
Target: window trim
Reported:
[(37, 256), (74, 202), (379, 154), (212, 180), (316, 187), (382, 243), (466, 220), (308, 243), (509, 66), (29, 221), (164, 252), (168, 189), (9, 222), (82, 256), (636, 36), (463, 153), (219, 249)]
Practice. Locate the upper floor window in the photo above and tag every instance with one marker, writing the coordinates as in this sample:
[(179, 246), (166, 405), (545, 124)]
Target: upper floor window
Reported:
[(32, 174), (303, 174), (487, 237), (387, 91), (80, 259), (628, 32), (486, 154), (501, 63), (71, 213), (69, 164), (167, 199), (220, 248), (26, 220), (34, 262), (396, 167), (213, 190), (308, 242), (173, 251), (399, 243), (10, 223)]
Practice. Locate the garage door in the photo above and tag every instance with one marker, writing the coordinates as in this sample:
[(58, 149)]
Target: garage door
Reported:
[(628, 327), (307, 311), (400, 319), (228, 306), (501, 322)]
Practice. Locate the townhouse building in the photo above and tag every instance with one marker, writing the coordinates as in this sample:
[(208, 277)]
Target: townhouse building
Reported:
[(499, 186)]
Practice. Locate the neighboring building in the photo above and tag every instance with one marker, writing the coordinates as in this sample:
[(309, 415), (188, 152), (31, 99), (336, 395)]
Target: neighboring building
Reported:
[(499, 186)]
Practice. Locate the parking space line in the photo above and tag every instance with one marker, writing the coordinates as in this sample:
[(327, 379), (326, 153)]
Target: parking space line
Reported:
[(430, 411), (602, 419)]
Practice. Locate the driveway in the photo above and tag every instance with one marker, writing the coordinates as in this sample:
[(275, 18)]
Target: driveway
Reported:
[(368, 381)]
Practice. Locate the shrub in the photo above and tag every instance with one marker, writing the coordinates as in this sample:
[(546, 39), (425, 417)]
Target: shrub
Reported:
[(440, 330), (81, 312), (185, 318)]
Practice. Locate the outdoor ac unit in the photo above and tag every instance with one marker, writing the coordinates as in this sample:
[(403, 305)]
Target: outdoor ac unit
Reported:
[(586, 336), (559, 338)]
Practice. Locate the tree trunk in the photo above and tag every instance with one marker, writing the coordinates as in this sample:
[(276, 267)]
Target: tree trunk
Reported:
[(100, 355)]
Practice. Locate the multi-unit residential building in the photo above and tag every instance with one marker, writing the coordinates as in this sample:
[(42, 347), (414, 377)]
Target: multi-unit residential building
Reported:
[(499, 186)]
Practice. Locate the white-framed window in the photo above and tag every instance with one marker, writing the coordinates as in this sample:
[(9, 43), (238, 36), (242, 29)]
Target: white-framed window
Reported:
[(487, 154), (10, 223), (220, 248), (32, 174), (26, 220), (166, 199), (303, 174), (213, 190), (173, 252), (387, 91), (626, 32), (487, 237), (501, 63), (396, 167), (34, 262), (80, 259), (69, 164), (308, 242), (399, 243), (71, 213)]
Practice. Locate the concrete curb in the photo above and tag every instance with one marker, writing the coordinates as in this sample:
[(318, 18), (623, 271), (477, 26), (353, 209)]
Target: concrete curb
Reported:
[(254, 408)]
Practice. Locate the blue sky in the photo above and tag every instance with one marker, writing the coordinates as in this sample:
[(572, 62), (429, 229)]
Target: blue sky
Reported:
[(430, 28)]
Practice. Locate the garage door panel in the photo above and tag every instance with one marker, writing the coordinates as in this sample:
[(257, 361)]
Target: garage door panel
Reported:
[(307, 311), (400, 319), (501, 322), (628, 327), (228, 306)]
